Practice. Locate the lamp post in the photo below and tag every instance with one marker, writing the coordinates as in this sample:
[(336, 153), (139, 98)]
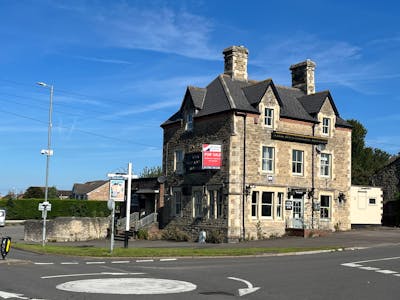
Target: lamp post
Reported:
[(48, 152)]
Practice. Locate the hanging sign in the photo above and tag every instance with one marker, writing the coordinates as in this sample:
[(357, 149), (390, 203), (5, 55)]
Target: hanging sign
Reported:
[(117, 190), (211, 156)]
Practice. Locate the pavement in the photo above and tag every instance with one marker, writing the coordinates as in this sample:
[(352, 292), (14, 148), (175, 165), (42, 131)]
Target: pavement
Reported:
[(356, 238)]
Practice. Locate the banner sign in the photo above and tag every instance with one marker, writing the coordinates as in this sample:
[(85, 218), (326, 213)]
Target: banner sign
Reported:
[(212, 156), (117, 190)]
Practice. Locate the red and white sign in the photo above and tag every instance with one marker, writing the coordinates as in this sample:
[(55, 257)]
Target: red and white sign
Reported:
[(212, 158)]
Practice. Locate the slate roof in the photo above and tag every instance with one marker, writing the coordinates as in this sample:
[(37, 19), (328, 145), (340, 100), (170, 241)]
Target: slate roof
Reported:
[(226, 94), (85, 188)]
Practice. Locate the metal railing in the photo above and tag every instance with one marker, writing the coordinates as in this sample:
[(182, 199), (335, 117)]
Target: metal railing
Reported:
[(147, 220)]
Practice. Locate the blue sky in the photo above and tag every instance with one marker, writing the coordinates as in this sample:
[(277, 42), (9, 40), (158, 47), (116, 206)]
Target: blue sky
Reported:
[(120, 68)]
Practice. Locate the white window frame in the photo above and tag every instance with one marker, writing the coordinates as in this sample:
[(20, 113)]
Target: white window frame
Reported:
[(279, 206), (297, 162), (177, 205), (255, 195), (267, 205), (268, 160), (325, 211), (325, 165), (268, 117), (326, 126), (179, 155)]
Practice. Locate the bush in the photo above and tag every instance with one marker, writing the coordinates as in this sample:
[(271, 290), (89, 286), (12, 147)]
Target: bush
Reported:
[(24, 209), (142, 234), (175, 234), (215, 237)]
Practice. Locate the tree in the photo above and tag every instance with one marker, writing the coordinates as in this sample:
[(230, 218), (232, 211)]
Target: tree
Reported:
[(37, 192), (34, 192), (365, 160), (151, 172)]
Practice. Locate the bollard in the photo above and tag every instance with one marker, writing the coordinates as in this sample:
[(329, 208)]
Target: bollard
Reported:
[(5, 246)]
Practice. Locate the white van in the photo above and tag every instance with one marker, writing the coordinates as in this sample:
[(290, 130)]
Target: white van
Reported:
[(2, 217)]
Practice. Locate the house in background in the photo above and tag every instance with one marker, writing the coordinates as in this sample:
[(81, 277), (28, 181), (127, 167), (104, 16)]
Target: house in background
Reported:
[(366, 206), (389, 179), (64, 194), (252, 159), (91, 190)]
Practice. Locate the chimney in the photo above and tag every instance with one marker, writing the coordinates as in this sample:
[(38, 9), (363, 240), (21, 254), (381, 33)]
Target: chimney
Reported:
[(236, 62), (303, 76)]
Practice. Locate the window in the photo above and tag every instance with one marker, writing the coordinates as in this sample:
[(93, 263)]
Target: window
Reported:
[(279, 203), (254, 205), (178, 203), (179, 161), (189, 122), (267, 159), (325, 165), (266, 204), (212, 202), (197, 204), (372, 201), (297, 162), (325, 207), (326, 126), (220, 212), (268, 117)]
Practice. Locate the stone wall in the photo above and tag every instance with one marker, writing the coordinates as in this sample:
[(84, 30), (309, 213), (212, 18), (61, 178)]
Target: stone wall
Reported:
[(67, 229)]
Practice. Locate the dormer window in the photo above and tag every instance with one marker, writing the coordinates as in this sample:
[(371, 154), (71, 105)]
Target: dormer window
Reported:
[(326, 126), (269, 117), (189, 121)]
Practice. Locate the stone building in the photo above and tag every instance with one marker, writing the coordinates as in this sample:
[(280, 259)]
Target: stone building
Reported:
[(280, 156), (389, 179), (91, 190)]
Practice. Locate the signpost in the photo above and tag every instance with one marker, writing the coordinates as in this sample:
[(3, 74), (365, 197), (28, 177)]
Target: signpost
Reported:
[(44, 207), (118, 195)]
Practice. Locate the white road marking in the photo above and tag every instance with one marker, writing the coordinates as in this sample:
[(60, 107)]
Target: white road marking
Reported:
[(250, 289), (128, 286), (70, 263), (386, 271), (379, 259), (7, 295), (145, 260), (121, 262), (168, 259), (44, 263), (351, 265), (89, 274), (95, 262), (369, 268)]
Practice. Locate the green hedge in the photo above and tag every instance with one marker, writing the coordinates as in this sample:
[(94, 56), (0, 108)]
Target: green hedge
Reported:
[(23, 209)]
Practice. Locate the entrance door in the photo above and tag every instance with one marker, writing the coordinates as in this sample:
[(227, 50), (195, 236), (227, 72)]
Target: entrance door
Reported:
[(298, 211)]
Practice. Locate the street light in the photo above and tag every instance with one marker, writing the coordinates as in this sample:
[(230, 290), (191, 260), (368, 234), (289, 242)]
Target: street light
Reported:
[(48, 152)]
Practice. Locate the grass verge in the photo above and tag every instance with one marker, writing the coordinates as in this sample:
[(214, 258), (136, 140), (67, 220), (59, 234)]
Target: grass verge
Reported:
[(159, 252)]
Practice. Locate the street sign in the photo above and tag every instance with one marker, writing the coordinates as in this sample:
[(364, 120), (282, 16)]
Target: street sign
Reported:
[(44, 206)]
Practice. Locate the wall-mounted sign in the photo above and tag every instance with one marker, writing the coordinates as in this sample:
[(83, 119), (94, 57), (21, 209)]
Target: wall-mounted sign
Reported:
[(212, 156), (193, 162), (288, 204), (117, 190)]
